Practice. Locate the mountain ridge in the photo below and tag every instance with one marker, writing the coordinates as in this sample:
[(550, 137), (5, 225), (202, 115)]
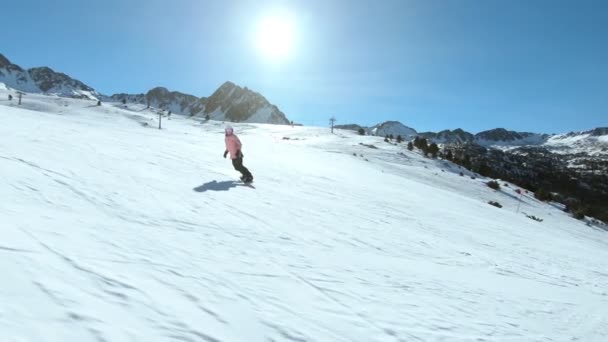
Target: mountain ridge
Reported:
[(43, 80), (230, 102), (593, 141)]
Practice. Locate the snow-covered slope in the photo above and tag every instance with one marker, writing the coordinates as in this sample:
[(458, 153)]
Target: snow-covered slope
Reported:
[(43, 80), (113, 230), (593, 142)]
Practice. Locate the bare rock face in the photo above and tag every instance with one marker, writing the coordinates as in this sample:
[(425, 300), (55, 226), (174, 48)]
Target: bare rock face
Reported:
[(230, 102), (501, 136), (449, 136)]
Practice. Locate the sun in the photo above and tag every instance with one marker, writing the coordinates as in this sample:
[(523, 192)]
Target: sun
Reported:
[(275, 36)]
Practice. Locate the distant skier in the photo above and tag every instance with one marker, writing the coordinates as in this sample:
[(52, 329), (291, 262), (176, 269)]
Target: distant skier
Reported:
[(233, 145)]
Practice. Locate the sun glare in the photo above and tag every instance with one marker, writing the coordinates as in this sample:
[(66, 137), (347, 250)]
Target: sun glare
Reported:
[(275, 36)]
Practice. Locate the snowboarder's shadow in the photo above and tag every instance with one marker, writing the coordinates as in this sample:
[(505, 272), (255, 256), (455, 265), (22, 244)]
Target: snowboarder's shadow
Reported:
[(216, 186)]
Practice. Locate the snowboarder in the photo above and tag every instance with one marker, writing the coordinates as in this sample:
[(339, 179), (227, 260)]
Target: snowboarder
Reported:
[(233, 145)]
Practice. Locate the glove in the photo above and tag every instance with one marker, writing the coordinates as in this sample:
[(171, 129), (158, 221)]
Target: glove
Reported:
[(225, 154)]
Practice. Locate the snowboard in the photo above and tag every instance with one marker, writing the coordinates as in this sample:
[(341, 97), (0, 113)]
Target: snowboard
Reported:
[(247, 184)]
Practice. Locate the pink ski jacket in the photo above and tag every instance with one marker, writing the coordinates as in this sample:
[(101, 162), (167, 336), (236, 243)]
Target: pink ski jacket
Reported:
[(233, 145)]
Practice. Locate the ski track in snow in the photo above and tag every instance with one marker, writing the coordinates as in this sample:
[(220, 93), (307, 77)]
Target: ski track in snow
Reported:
[(105, 238)]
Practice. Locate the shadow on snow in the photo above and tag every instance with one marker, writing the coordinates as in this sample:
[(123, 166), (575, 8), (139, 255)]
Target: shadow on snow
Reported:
[(220, 186), (216, 186)]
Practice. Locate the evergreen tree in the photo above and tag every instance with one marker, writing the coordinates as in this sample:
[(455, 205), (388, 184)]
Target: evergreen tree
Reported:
[(433, 149), (543, 195), (410, 146), (579, 214), (493, 184), (399, 139), (417, 142), (466, 162), (424, 146), (424, 143), (484, 169), (449, 155), (361, 131)]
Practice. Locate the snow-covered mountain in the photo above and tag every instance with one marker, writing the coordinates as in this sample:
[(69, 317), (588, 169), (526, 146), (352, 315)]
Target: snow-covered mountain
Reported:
[(230, 102), (130, 98), (175, 101), (113, 230), (490, 138), (503, 137), (43, 80), (159, 97), (449, 137), (395, 128), (593, 142)]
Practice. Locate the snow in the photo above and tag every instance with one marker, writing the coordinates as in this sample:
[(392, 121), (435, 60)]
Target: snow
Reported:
[(579, 143), (570, 143), (565, 139), (20, 80), (113, 230), (263, 114)]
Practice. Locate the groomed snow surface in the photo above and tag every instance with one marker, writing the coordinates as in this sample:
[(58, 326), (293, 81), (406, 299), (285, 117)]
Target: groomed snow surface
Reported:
[(113, 230)]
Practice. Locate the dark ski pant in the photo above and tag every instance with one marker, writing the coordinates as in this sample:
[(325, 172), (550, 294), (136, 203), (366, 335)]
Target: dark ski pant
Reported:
[(238, 165)]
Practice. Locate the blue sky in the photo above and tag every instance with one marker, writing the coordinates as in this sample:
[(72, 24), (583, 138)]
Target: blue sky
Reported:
[(533, 65)]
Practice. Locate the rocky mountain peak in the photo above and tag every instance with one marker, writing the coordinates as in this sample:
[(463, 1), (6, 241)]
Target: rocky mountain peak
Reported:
[(599, 131), (234, 103), (5, 63), (394, 128), (47, 79), (44, 80), (498, 134)]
